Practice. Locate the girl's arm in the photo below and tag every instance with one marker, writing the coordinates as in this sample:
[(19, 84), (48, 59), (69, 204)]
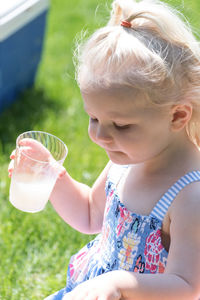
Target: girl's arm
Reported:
[(124, 285), (79, 205)]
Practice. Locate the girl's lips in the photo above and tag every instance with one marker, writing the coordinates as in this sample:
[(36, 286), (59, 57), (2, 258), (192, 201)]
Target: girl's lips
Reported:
[(110, 150), (113, 151)]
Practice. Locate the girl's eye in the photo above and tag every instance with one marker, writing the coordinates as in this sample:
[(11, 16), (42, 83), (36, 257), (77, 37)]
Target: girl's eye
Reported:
[(121, 127)]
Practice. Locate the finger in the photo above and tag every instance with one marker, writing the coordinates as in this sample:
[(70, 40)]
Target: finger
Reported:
[(26, 150), (62, 172), (35, 146), (12, 156), (29, 142)]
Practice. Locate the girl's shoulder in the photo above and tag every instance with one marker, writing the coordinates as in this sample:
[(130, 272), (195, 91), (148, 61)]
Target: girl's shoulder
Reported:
[(187, 201)]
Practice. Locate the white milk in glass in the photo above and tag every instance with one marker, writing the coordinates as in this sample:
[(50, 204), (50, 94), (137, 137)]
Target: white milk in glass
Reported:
[(30, 195)]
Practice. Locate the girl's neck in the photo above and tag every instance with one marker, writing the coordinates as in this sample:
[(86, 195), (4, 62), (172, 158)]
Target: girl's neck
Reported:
[(181, 156)]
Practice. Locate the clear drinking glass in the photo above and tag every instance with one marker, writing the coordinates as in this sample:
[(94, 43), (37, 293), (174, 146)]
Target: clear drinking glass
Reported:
[(35, 170)]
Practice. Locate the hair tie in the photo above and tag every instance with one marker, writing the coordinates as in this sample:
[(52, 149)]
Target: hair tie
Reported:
[(126, 24)]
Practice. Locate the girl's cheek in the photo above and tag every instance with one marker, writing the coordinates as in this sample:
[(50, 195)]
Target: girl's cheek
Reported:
[(91, 133)]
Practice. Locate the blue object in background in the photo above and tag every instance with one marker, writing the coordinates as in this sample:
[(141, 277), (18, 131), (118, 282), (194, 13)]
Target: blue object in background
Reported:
[(22, 31)]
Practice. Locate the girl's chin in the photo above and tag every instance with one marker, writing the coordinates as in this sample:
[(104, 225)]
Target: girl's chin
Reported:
[(122, 158), (118, 157)]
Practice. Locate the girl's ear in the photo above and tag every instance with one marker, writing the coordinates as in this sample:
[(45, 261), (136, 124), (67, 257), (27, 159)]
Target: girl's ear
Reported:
[(181, 115)]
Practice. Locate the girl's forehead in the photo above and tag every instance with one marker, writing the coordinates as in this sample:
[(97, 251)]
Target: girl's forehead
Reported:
[(120, 102), (116, 97)]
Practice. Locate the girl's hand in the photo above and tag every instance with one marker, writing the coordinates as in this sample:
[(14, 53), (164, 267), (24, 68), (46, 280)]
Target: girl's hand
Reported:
[(35, 150), (103, 287), (11, 164)]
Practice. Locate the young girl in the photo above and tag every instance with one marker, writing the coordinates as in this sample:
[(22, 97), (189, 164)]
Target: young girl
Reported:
[(140, 81)]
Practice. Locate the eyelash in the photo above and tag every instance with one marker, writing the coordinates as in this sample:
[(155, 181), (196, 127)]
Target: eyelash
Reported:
[(118, 127), (121, 127)]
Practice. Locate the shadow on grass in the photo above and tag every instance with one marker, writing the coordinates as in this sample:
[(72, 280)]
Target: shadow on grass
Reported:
[(26, 113)]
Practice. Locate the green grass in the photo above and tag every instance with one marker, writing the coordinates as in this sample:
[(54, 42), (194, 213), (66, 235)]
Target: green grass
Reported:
[(35, 248)]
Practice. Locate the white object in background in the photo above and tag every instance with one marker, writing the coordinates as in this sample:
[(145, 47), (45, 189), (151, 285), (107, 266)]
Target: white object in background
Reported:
[(14, 15)]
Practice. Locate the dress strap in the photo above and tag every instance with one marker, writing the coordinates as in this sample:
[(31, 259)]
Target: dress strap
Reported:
[(162, 206), (116, 172)]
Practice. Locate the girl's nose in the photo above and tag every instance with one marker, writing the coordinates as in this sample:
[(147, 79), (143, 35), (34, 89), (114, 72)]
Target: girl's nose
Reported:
[(102, 133)]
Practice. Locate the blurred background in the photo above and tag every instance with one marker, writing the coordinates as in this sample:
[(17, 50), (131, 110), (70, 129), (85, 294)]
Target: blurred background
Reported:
[(35, 248)]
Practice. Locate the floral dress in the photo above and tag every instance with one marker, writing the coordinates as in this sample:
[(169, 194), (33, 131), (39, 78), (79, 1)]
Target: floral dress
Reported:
[(128, 241)]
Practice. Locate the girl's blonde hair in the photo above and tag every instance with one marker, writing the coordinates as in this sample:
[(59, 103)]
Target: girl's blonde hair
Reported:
[(157, 56)]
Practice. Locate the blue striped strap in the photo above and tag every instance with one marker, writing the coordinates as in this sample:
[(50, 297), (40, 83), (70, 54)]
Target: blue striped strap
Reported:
[(162, 206)]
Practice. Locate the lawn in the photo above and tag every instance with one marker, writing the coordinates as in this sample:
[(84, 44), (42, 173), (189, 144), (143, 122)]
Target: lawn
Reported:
[(35, 248)]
